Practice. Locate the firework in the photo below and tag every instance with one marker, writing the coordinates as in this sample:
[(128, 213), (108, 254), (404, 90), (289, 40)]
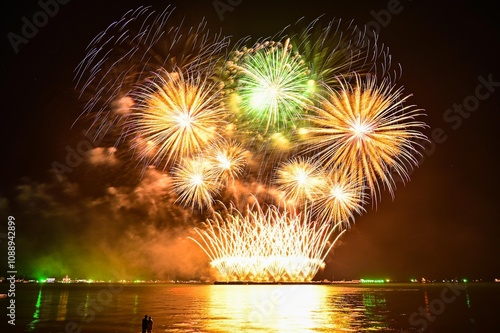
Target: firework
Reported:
[(309, 120), (334, 49), (272, 86), (367, 130), (195, 182), (272, 245), (300, 180), (228, 159), (180, 115), (131, 51), (341, 196), (332, 196)]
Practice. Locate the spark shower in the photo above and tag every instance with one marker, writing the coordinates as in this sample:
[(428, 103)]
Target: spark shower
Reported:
[(279, 142)]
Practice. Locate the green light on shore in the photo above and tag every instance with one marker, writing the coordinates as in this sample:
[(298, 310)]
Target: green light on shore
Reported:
[(372, 281)]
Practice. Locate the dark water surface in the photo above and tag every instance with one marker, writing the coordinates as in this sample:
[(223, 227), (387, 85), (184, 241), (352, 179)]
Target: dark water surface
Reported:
[(437, 308)]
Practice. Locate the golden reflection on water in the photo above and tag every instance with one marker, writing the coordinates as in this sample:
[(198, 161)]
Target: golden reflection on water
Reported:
[(186, 308), (286, 308), (62, 307), (220, 308)]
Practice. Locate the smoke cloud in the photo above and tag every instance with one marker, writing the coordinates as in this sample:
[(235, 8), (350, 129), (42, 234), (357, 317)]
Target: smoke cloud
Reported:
[(93, 227)]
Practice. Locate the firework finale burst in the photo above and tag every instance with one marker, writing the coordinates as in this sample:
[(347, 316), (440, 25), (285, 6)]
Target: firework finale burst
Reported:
[(280, 143)]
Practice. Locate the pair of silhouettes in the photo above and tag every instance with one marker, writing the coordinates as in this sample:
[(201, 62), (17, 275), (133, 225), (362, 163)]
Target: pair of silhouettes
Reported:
[(147, 324)]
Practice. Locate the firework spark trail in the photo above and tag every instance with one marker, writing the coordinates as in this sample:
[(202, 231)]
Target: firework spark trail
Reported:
[(332, 196), (366, 130), (337, 48), (180, 115), (341, 197), (199, 179), (228, 159), (196, 183), (131, 50), (300, 180), (273, 245), (272, 86)]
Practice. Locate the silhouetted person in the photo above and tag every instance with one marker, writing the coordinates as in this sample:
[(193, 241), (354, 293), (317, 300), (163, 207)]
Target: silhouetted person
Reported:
[(150, 325), (145, 323)]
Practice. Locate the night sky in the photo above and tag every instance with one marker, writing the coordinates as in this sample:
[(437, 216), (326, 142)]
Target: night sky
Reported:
[(444, 223)]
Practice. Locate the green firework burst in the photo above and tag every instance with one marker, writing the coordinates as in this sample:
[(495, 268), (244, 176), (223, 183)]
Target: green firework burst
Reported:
[(273, 88)]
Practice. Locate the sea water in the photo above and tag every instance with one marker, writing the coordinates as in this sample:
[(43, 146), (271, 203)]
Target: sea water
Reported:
[(117, 307)]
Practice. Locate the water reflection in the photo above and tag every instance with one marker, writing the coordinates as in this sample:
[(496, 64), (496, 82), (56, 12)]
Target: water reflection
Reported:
[(62, 307), (375, 310), (84, 310), (253, 308), (136, 303), (293, 308), (36, 315), (44, 307)]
